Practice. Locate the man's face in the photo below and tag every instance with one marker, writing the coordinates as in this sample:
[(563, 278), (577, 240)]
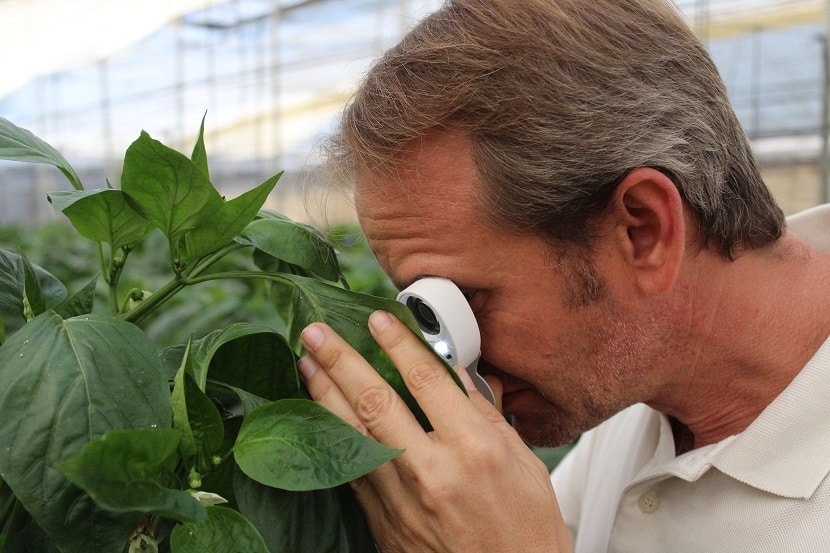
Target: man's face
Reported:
[(565, 365)]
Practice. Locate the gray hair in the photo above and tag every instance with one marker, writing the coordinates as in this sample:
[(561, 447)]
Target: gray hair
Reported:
[(561, 98)]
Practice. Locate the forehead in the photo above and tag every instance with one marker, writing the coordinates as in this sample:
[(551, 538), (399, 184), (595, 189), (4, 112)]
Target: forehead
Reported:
[(426, 205), (435, 177)]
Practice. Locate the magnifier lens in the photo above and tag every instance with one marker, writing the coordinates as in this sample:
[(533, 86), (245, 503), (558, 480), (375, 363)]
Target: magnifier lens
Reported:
[(424, 315)]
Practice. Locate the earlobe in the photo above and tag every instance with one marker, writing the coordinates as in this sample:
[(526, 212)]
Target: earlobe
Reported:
[(651, 228)]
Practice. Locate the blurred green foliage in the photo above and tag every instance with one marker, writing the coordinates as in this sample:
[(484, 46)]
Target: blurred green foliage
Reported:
[(196, 310)]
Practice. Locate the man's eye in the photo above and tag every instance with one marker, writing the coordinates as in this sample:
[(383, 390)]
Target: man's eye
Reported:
[(468, 295)]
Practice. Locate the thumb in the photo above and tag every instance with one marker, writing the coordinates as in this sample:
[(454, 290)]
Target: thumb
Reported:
[(498, 390), (464, 376)]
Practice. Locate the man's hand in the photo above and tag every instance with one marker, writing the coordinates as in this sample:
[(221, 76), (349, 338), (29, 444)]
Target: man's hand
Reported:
[(470, 485)]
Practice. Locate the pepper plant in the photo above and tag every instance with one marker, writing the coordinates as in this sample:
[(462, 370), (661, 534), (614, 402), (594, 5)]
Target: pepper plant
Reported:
[(110, 443)]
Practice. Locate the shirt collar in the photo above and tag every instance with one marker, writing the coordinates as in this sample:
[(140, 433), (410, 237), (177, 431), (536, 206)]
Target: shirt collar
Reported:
[(786, 450)]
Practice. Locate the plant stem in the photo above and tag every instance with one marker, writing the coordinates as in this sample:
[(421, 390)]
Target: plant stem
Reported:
[(112, 284), (184, 278), (113, 298), (243, 275), (158, 297), (204, 263), (116, 268)]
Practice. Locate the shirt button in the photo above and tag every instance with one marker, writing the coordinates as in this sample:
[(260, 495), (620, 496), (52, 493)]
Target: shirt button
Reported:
[(648, 502)]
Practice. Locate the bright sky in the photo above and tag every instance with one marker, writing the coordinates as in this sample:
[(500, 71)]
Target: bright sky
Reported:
[(38, 37)]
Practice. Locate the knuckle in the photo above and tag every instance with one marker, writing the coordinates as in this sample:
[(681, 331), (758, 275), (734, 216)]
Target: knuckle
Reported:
[(437, 494), (423, 376), (332, 358), (320, 389), (394, 338), (481, 454), (493, 415), (361, 485), (374, 403)]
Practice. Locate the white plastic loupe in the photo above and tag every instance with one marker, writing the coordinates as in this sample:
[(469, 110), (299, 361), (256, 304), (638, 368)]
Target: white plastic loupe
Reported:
[(447, 324)]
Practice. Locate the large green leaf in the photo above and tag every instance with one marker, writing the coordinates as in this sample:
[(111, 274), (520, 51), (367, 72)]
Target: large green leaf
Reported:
[(167, 187), (18, 144), (176, 195), (291, 521), (224, 531), (295, 243), (66, 383), (101, 215), (124, 471), (251, 357), (298, 445), (347, 312), (13, 284)]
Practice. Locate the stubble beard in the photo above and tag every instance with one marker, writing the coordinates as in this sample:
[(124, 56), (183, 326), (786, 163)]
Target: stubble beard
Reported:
[(619, 353)]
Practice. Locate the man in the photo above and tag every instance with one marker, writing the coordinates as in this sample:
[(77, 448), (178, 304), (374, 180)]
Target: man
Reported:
[(575, 168)]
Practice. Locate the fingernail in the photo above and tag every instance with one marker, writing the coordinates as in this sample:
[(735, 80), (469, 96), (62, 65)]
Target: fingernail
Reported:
[(380, 320), (312, 337), (307, 367)]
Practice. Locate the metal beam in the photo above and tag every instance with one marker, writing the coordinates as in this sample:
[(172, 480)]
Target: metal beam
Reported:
[(724, 25)]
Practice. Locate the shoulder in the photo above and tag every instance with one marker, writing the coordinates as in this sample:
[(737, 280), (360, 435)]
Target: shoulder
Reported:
[(812, 226)]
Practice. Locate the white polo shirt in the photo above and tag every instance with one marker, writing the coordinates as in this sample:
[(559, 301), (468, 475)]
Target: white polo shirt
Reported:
[(622, 489)]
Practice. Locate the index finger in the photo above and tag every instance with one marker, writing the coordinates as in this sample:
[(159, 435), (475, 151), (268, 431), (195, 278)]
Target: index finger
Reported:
[(429, 381), (372, 400)]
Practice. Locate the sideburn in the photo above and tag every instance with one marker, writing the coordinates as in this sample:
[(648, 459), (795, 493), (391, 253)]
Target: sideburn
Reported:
[(584, 285)]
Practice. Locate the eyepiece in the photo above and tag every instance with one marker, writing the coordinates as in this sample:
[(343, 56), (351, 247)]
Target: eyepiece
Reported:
[(424, 315)]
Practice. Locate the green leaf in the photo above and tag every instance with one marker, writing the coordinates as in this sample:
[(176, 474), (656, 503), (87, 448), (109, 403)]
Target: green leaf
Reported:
[(232, 401), (13, 284), (290, 521), (295, 243), (167, 187), (224, 531), (101, 215), (196, 417), (199, 155), (30, 539), (280, 293), (254, 358), (296, 444), (347, 312), (18, 144), (34, 302), (79, 303), (226, 220), (66, 383), (171, 359), (123, 473), (175, 194)]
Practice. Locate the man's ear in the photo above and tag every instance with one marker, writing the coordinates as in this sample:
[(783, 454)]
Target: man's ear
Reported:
[(650, 228)]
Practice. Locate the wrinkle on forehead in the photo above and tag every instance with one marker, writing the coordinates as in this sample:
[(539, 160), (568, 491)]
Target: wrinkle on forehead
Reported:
[(425, 208), (397, 232)]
